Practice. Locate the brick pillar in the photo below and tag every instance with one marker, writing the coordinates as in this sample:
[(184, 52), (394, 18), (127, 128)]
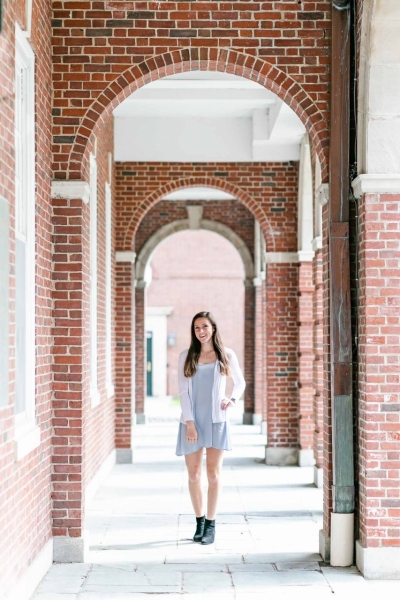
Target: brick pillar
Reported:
[(378, 546), (318, 367), (249, 350), (324, 538), (71, 374), (306, 360), (124, 355), (259, 353), (140, 352), (265, 358), (282, 354)]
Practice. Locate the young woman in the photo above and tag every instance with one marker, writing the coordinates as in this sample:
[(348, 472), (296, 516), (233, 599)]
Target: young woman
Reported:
[(202, 374)]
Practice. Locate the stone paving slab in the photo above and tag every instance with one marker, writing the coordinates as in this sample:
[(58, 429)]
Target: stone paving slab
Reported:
[(140, 526), (278, 557), (256, 581)]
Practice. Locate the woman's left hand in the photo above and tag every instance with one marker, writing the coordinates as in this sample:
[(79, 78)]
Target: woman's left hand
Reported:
[(226, 403)]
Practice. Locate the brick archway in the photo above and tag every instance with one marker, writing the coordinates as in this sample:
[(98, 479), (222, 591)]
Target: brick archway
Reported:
[(208, 182), (249, 314), (182, 225), (195, 59)]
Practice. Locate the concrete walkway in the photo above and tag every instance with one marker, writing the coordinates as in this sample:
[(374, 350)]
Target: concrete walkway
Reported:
[(140, 526)]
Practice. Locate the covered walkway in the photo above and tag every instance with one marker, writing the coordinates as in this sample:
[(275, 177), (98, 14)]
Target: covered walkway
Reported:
[(140, 523)]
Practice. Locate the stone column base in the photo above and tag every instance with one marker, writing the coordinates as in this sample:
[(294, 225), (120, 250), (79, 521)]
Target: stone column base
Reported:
[(264, 428), (257, 419), (140, 419), (378, 563), (247, 418), (70, 549), (281, 457), (124, 456), (306, 458), (318, 477), (324, 545)]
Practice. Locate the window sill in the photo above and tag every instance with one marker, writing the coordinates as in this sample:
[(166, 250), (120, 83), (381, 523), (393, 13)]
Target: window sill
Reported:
[(25, 441), (94, 398), (110, 390)]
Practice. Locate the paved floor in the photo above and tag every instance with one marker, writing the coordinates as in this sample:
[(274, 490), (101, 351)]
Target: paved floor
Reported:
[(140, 525)]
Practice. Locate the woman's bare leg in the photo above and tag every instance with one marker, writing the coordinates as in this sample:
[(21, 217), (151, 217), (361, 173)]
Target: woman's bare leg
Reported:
[(214, 466), (194, 464)]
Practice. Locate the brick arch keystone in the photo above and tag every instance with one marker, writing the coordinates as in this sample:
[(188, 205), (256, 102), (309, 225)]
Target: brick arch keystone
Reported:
[(209, 182), (199, 59)]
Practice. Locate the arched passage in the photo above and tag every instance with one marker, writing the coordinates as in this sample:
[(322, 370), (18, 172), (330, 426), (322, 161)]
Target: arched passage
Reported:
[(149, 247), (249, 316), (193, 59), (254, 202)]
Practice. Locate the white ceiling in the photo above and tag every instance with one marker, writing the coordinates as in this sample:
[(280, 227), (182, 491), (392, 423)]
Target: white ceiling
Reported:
[(203, 116)]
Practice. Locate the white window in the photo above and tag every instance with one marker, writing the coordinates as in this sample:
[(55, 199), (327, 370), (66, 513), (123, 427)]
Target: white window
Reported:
[(27, 434), (109, 383), (94, 393)]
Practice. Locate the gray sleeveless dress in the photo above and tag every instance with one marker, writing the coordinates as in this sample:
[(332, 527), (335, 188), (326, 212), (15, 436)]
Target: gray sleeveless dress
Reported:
[(210, 435)]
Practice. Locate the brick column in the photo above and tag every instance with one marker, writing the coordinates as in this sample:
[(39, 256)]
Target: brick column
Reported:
[(306, 359), (249, 350), (124, 354), (378, 546), (282, 354), (140, 352), (71, 374), (318, 381), (324, 537), (259, 353)]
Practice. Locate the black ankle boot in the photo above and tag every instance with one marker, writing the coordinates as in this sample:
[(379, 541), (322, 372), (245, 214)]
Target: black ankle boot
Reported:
[(199, 529), (209, 532)]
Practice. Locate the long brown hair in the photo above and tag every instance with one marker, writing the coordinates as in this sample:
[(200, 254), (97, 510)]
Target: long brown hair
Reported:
[(193, 354)]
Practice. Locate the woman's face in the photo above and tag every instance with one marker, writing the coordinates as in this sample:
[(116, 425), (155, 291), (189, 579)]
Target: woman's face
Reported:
[(203, 330)]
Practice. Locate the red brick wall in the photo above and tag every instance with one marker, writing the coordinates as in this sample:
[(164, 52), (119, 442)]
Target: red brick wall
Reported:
[(327, 425), (379, 371), (103, 53), (282, 355), (124, 352), (99, 423), (268, 191), (306, 356), (25, 520), (318, 379), (83, 436)]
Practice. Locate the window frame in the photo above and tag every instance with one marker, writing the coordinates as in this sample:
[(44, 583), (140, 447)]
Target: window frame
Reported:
[(26, 433), (94, 391), (108, 265)]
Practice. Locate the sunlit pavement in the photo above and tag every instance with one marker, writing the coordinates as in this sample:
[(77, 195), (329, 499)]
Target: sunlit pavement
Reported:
[(140, 525)]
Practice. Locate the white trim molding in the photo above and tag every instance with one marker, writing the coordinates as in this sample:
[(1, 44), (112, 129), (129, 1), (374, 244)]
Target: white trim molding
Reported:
[(125, 256), (71, 190), (322, 194), (26, 441), (376, 184), (317, 243), (305, 255), (281, 257)]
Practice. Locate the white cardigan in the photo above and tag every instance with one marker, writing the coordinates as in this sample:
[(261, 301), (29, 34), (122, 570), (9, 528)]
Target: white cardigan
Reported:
[(185, 388)]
